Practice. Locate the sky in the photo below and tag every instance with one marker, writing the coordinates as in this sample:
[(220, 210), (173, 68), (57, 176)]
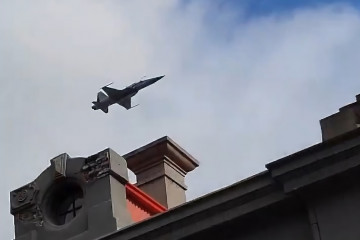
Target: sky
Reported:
[(246, 81)]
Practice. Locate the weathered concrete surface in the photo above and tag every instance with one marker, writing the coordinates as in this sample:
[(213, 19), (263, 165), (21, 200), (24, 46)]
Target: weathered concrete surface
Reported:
[(75, 198)]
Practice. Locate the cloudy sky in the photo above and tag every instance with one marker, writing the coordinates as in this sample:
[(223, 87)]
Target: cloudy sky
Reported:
[(246, 81)]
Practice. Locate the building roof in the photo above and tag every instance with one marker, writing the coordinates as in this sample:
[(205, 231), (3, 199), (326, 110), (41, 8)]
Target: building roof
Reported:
[(293, 173)]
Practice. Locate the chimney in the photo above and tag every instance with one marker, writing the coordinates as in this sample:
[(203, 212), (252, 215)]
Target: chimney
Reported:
[(160, 168), (347, 119)]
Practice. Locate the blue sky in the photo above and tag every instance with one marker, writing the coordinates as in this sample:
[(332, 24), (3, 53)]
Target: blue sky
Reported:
[(253, 9), (246, 83)]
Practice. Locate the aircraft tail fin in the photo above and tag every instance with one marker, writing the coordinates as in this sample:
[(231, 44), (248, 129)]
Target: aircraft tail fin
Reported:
[(97, 104), (101, 96)]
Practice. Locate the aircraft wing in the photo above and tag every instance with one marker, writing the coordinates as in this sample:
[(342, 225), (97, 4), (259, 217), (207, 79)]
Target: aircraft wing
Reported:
[(125, 102), (111, 92)]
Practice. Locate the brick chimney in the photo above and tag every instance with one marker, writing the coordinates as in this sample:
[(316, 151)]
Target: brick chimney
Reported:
[(160, 168), (347, 119)]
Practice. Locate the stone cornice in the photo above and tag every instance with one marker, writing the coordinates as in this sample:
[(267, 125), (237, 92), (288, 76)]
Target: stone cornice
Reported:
[(155, 151)]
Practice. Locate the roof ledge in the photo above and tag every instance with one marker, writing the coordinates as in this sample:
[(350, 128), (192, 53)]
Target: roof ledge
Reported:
[(318, 162)]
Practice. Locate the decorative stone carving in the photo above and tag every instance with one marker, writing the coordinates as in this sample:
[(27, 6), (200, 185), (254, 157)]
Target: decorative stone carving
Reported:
[(96, 166), (23, 198), (30, 215), (67, 201)]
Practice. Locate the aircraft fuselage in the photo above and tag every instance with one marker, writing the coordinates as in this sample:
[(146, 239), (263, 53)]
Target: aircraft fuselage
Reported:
[(122, 97)]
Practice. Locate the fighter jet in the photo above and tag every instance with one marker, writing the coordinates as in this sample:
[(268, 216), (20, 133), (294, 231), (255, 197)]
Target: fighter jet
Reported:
[(121, 97)]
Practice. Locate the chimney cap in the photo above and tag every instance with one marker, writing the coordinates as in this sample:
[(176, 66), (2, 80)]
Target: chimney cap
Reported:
[(345, 120), (155, 152)]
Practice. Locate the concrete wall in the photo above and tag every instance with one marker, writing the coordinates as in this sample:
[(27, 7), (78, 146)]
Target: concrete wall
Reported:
[(336, 206)]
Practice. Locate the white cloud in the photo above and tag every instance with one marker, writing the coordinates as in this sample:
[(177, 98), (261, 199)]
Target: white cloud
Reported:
[(236, 94)]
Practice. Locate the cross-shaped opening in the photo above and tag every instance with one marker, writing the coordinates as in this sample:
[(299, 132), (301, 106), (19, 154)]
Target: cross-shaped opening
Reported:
[(65, 200), (72, 210)]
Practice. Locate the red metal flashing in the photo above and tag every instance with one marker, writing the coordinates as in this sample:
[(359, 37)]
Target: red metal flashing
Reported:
[(142, 200)]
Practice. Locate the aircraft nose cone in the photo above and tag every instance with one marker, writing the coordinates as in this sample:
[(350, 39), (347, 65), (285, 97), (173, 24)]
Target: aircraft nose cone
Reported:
[(158, 78)]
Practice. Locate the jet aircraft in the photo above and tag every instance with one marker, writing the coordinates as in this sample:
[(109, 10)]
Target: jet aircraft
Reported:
[(121, 97)]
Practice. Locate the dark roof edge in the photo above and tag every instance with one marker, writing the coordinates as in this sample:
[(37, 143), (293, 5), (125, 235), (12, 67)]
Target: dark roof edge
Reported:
[(243, 193), (317, 147)]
